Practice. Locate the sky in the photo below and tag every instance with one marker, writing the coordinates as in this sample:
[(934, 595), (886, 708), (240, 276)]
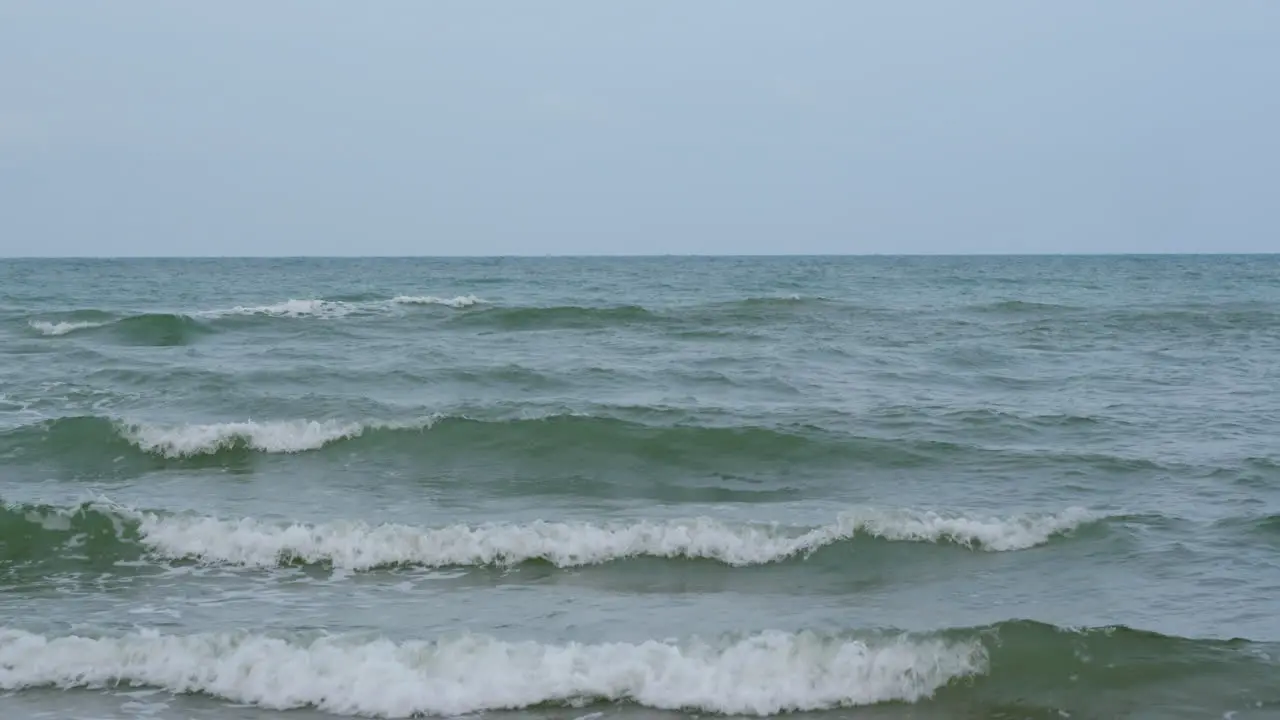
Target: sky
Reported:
[(581, 127)]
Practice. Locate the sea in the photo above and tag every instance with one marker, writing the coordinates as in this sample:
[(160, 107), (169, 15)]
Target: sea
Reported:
[(640, 488)]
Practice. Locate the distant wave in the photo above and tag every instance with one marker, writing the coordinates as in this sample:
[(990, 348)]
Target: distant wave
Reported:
[(1137, 321), (160, 324), (702, 316), (360, 546), (339, 308), (557, 317), (504, 317), (1017, 307), (721, 318), (289, 308), (460, 301), (982, 670)]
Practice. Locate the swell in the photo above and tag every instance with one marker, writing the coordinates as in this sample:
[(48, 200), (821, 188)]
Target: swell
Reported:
[(1022, 307), (1175, 322), (95, 438), (1028, 665), (573, 317), (727, 318), (1005, 420), (180, 328), (683, 319), (421, 435), (1266, 526), (319, 374), (479, 314), (338, 308), (146, 329), (102, 528), (564, 438)]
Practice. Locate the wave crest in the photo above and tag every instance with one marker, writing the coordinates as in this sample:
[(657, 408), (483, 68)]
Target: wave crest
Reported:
[(972, 671), (154, 329), (760, 674), (45, 327), (173, 323), (359, 546), (285, 436), (328, 309), (291, 308), (460, 301)]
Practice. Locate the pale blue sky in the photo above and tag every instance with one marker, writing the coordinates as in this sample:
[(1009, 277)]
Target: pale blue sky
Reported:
[(433, 127)]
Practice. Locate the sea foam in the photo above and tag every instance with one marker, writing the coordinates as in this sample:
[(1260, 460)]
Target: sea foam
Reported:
[(361, 546), (284, 436), (292, 308), (62, 328), (460, 301), (761, 674), (295, 308)]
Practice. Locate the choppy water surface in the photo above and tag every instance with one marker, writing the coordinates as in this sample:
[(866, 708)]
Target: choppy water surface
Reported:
[(554, 488)]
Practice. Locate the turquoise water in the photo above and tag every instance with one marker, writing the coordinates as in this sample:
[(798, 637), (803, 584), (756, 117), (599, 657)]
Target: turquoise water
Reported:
[(566, 488)]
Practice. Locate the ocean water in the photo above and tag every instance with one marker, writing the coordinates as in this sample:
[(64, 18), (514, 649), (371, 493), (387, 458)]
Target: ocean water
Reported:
[(640, 488)]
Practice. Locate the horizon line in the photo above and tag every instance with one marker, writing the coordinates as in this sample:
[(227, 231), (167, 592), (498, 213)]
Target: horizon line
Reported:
[(647, 256)]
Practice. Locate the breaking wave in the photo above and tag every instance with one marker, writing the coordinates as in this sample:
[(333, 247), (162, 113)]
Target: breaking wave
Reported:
[(759, 673), (593, 439), (172, 328), (338, 308), (62, 328), (460, 301), (734, 313), (148, 329), (286, 436), (362, 546), (101, 436)]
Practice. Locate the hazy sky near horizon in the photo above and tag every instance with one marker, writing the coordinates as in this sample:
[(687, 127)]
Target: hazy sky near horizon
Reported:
[(316, 127)]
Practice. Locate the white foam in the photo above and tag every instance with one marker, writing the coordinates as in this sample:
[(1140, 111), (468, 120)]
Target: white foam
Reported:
[(276, 436), (291, 308), (62, 328), (761, 674), (359, 546), (460, 301), (284, 436), (988, 533)]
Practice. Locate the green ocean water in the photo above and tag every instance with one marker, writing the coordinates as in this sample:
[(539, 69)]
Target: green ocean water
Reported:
[(671, 487)]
